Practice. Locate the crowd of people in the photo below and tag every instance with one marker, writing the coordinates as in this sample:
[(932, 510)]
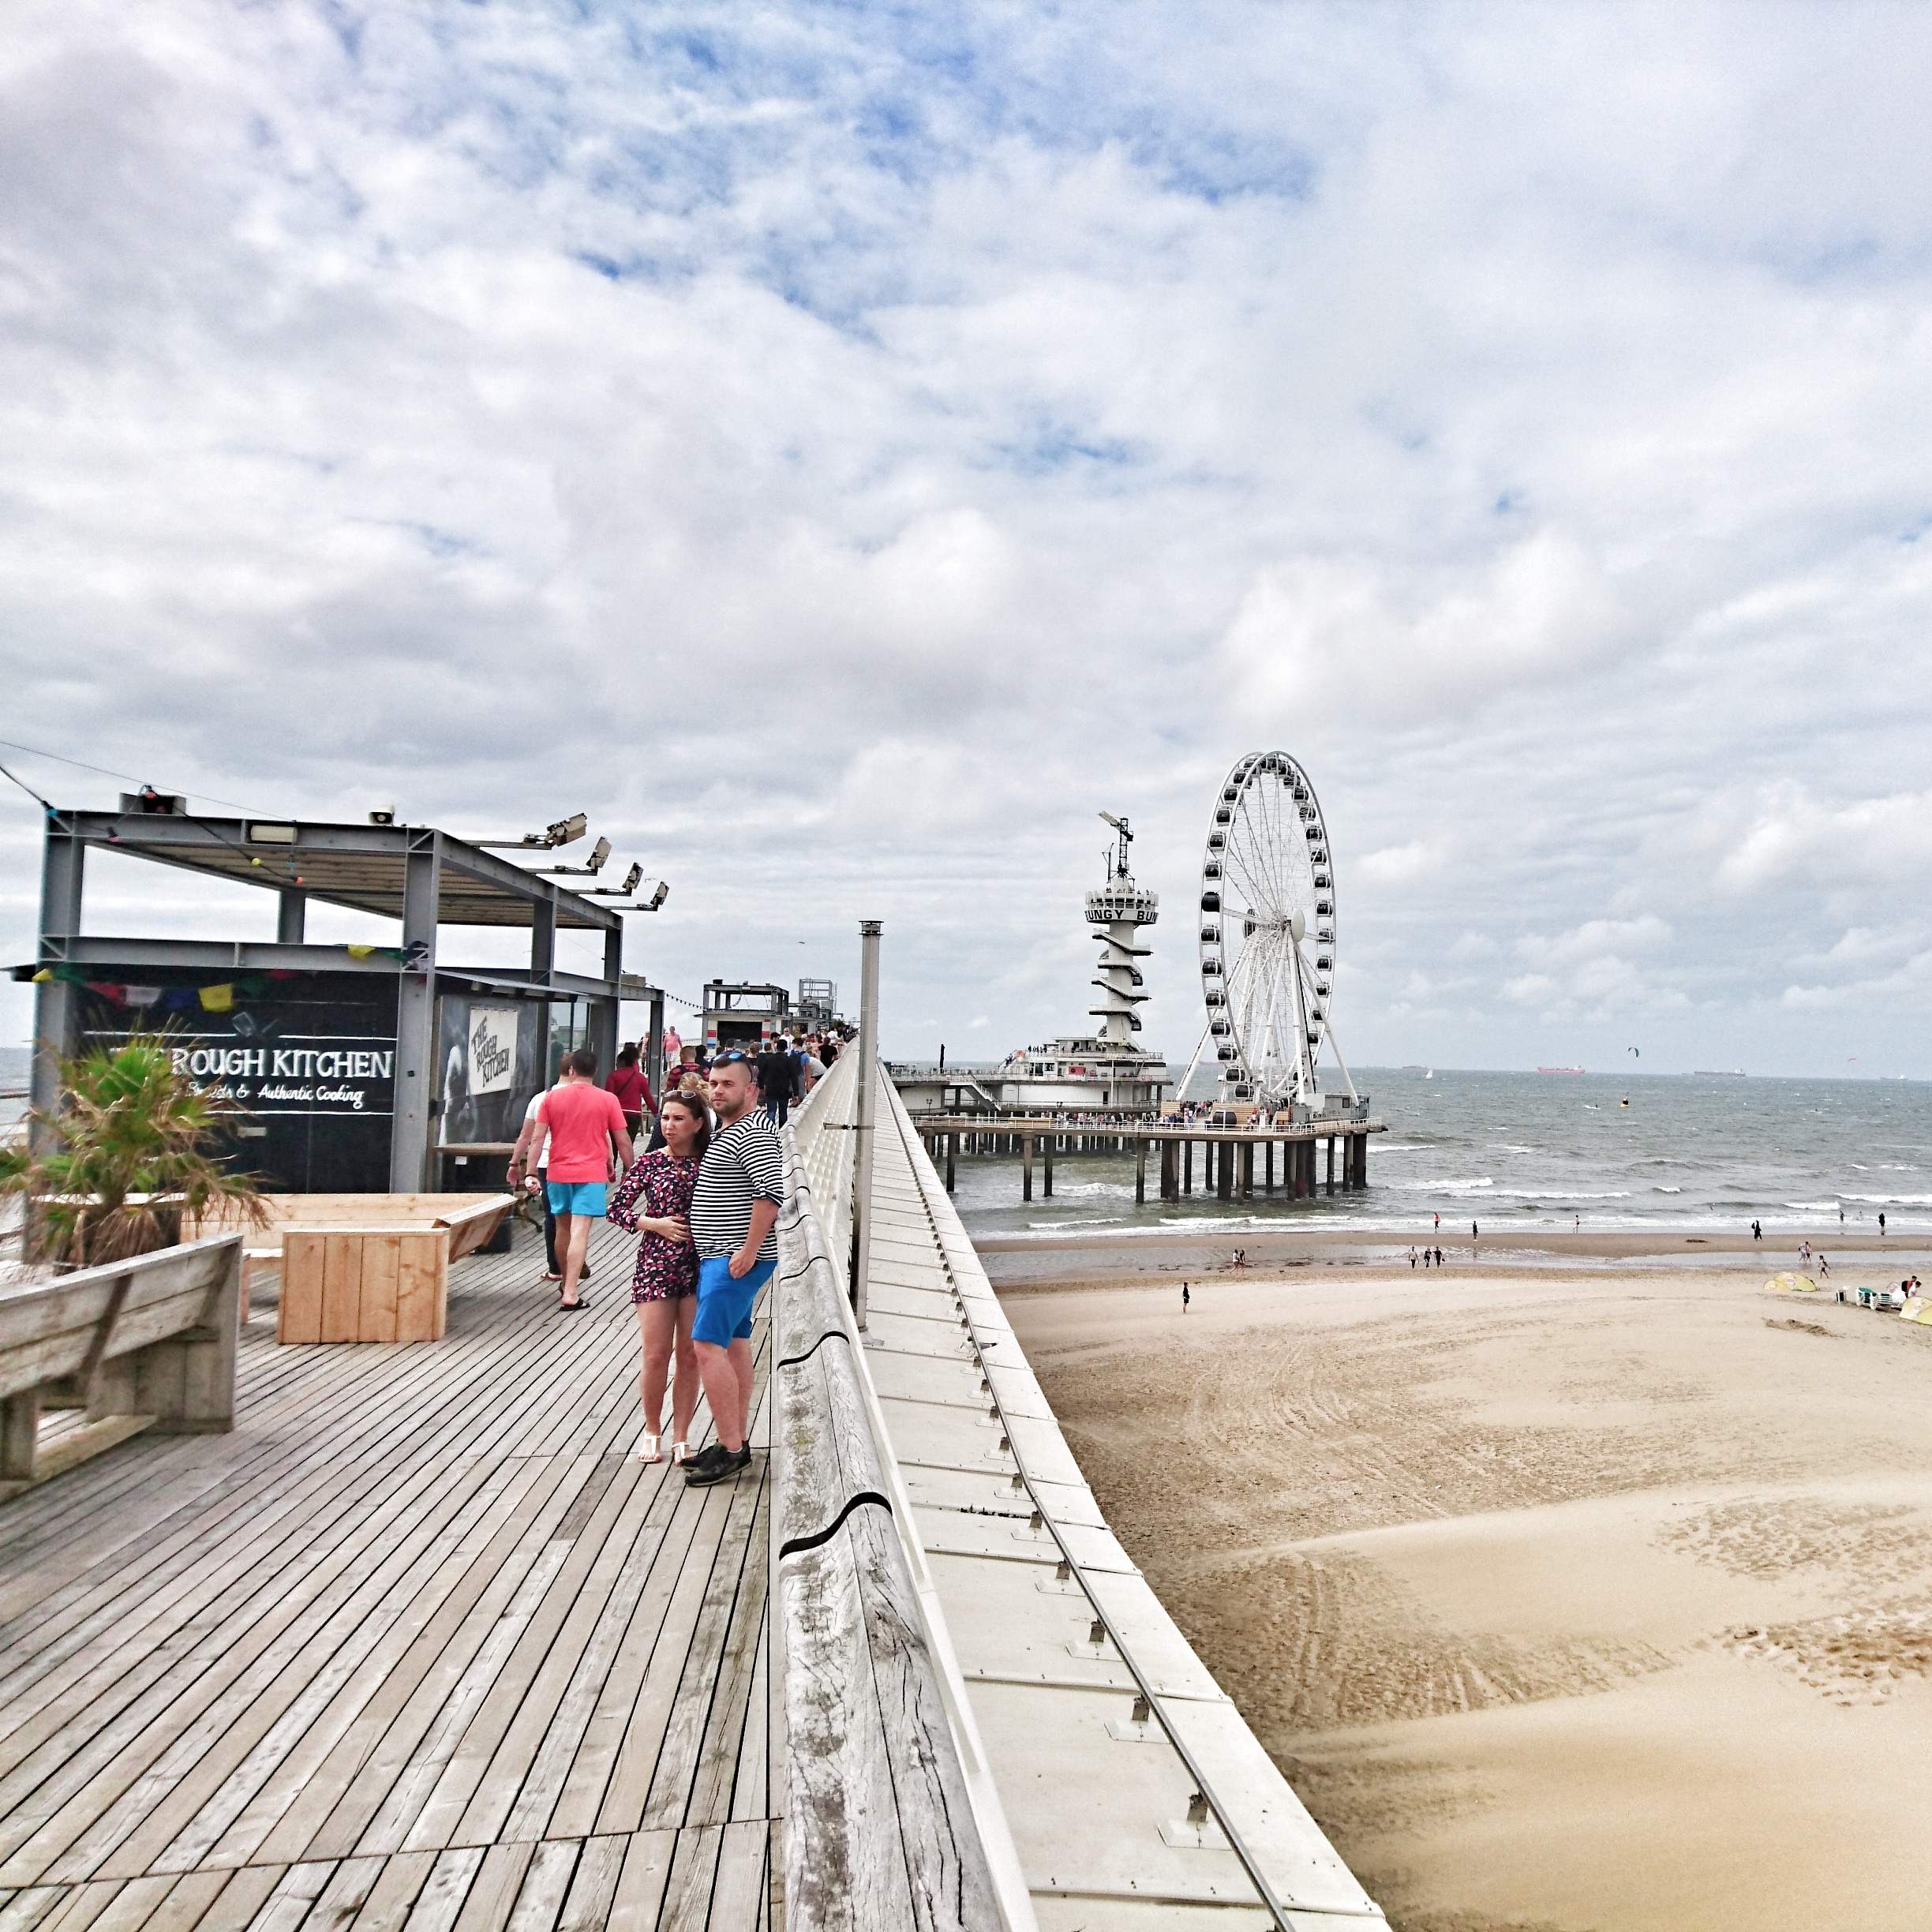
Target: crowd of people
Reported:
[(702, 1197)]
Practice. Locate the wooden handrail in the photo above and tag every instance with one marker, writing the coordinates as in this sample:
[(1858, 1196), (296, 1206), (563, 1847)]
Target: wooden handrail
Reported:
[(880, 1829)]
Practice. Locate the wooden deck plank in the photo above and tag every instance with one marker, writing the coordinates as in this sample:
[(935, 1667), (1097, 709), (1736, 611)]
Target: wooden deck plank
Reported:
[(498, 1879), (646, 1721), (393, 1896), (740, 1877), (668, 1804), (694, 1874), (638, 1901), (734, 1673), (345, 1895), (539, 1899), (587, 1908), (542, 1786), (241, 1899)]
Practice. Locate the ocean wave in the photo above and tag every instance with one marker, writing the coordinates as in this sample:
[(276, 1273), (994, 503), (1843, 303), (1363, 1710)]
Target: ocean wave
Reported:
[(1829, 1207), (1655, 1189), (1446, 1187), (1569, 1194), (1892, 1201)]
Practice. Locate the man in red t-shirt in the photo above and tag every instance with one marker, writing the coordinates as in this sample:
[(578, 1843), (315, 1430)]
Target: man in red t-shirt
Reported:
[(584, 1120)]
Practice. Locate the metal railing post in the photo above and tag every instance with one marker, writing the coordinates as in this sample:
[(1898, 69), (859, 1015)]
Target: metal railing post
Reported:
[(865, 1116)]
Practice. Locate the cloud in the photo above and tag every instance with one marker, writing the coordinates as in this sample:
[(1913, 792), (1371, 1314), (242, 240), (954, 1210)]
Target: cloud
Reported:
[(842, 451)]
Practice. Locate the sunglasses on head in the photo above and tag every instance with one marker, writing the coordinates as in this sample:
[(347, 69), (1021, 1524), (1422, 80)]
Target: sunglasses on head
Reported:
[(726, 1059)]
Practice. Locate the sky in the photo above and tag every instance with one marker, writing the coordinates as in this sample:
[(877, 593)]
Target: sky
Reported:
[(842, 449)]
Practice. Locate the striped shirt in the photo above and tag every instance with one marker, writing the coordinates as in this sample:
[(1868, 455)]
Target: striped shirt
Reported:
[(742, 1166)]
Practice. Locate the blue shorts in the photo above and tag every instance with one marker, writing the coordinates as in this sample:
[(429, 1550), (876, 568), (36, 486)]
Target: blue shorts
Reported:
[(724, 1304), (578, 1198)]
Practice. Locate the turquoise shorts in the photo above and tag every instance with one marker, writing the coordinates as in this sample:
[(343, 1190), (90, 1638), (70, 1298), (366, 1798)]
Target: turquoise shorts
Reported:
[(724, 1305), (578, 1198)]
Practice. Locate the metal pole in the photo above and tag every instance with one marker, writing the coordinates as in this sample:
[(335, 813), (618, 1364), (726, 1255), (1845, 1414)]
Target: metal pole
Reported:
[(869, 932), (62, 867), (653, 1044)]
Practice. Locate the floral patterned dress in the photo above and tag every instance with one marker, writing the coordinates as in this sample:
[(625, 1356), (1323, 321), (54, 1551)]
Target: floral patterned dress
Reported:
[(658, 1186)]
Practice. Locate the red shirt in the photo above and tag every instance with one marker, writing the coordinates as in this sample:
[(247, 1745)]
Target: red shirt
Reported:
[(580, 1117), (632, 1089)]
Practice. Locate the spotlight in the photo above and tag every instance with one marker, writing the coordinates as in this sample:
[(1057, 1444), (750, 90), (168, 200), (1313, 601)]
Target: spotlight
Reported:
[(630, 879)]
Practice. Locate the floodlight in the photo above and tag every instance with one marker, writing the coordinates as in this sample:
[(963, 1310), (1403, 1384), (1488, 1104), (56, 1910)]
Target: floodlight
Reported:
[(630, 879), (1111, 820), (658, 897), (599, 852), (565, 832)]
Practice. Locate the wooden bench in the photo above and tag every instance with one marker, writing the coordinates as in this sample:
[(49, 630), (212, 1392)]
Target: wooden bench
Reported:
[(369, 1267), (148, 1343)]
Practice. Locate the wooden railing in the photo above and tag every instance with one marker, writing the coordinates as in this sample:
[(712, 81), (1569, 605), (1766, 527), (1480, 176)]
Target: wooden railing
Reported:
[(880, 1829)]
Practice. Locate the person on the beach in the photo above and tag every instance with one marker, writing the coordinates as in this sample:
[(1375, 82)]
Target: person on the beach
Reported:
[(734, 1207), (1824, 1266), (1439, 1257), (1412, 1258), (1428, 1255), (584, 1122), (1438, 1224), (1475, 1232), (1757, 1230), (1184, 1298), (653, 1201), (1881, 1224)]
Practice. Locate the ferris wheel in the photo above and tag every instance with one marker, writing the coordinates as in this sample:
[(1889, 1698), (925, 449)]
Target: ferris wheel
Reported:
[(1268, 933)]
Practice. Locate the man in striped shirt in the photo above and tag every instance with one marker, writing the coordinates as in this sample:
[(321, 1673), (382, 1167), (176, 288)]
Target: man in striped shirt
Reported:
[(734, 1206)]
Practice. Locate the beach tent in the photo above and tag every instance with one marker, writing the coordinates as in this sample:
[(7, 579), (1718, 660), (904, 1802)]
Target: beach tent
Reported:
[(1916, 1310), (1791, 1284)]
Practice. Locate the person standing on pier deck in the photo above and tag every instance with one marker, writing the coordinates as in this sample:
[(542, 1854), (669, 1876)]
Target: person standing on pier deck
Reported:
[(734, 1208), (629, 1082), (653, 1201), (778, 1081)]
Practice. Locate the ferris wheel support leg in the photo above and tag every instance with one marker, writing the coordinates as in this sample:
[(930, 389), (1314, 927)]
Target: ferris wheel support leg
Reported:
[(1347, 1081)]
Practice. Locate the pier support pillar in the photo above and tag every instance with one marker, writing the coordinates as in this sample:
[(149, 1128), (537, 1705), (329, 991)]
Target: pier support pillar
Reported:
[(1267, 1170), (1187, 1163), (1170, 1172), (1247, 1170), (952, 1151), (1025, 1167), (1046, 1154), (1224, 1172), (1139, 1172), (1331, 1141)]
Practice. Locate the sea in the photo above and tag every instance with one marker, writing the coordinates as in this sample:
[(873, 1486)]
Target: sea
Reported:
[(1526, 1151)]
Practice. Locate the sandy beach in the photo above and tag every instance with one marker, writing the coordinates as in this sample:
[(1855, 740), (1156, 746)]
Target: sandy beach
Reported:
[(1571, 1592)]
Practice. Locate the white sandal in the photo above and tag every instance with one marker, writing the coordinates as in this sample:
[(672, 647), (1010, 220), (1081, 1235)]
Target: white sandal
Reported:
[(681, 1455), (648, 1451)]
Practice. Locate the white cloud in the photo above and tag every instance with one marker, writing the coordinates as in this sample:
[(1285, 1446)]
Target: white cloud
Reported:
[(843, 451)]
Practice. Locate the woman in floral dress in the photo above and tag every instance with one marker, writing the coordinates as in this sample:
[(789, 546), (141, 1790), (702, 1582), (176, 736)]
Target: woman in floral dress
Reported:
[(653, 1201)]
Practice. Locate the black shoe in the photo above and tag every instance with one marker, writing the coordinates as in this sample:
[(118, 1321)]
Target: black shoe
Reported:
[(716, 1465)]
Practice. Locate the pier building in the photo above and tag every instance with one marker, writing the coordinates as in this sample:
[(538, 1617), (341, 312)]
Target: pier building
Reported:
[(360, 1064)]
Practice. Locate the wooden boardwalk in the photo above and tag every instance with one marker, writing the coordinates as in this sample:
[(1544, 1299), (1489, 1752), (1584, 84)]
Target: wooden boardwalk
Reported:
[(420, 1642)]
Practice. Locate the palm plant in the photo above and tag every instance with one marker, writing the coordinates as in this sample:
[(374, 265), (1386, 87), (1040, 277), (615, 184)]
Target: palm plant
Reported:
[(132, 1149)]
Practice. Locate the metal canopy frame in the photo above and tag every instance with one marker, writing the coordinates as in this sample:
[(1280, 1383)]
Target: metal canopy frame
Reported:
[(424, 877)]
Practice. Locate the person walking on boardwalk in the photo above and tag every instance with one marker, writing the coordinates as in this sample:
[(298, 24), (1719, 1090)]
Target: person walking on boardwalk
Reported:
[(734, 1206), (585, 1122), (529, 1162), (632, 1085), (653, 1201), (778, 1081)]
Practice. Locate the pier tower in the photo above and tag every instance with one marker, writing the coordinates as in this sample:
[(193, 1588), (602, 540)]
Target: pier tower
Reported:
[(1119, 909)]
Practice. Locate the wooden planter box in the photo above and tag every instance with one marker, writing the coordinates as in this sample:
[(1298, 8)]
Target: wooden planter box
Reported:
[(370, 1268)]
